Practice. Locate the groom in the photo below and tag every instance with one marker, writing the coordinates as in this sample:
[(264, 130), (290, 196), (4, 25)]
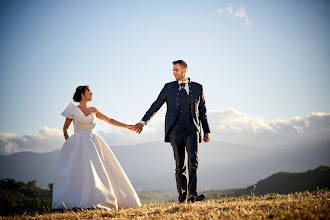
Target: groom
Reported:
[(186, 110)]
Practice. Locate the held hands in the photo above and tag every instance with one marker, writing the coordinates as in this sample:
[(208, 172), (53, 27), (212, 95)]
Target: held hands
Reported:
[(139, 128), (131, 127)]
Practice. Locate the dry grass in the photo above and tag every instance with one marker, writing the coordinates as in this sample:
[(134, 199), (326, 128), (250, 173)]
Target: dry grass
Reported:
[(293, 206)]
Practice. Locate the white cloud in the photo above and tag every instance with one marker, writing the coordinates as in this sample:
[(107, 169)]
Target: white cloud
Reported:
[(233, 126), (48, 139), (229, 125), (229, 9), (241, 13)]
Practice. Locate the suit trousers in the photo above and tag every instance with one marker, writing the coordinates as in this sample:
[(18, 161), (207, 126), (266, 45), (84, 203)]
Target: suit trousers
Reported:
[(182, 141)]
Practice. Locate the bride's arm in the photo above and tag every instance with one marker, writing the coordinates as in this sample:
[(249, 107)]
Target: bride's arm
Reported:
[(66, 127), (111, 121)]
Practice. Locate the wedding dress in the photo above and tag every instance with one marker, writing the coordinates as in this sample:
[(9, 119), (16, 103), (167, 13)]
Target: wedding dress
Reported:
[(88, 174)]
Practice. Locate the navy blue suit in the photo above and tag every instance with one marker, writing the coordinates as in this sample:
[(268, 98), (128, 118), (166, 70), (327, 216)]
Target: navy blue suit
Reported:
[(184, 117)]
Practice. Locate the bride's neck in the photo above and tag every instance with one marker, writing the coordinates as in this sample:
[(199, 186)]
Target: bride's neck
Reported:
[(83, 103)]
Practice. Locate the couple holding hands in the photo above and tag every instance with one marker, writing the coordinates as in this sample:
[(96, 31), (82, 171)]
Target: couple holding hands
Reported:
[(88, 174)]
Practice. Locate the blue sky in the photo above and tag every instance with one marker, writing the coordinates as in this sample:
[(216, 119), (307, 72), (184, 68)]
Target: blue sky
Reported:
[(271, 62)]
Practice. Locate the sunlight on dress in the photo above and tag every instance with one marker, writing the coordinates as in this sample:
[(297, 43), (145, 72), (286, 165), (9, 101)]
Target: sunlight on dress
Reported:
[(88, 174)]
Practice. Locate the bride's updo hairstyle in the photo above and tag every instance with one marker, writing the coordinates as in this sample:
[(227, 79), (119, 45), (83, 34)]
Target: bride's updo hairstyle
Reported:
[(79, 90)]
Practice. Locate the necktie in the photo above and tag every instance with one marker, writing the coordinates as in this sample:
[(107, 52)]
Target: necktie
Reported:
[(183, 92)]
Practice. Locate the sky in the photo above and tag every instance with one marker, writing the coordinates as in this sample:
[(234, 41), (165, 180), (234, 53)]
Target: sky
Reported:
[(264, 66)]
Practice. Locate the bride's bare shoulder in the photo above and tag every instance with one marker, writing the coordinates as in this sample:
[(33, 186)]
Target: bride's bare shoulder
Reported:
[(94, 110)]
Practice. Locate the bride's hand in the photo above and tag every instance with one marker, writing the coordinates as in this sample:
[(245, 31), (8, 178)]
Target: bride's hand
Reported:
[(132, 127)]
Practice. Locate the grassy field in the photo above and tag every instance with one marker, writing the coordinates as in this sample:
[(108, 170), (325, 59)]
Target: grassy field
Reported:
[(304, 205)]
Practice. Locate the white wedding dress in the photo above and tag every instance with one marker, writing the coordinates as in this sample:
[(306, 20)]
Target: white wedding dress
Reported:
[(88, 174)]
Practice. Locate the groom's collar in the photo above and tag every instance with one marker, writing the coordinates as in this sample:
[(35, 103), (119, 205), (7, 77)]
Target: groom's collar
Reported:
[(187, 81)]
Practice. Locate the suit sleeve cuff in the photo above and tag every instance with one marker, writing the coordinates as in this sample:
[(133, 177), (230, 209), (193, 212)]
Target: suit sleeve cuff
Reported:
[(143, 122)]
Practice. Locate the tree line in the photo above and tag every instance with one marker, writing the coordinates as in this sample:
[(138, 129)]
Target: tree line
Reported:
[(19, 198)]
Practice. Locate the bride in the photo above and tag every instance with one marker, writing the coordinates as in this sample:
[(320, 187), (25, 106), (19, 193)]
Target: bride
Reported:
[(88, 174)]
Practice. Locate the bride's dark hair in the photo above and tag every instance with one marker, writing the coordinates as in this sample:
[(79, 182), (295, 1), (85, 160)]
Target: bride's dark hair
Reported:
[(79, 90)]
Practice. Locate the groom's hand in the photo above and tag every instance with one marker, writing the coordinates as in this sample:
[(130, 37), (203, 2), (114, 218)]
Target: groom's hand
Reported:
[(206, 137), (139, 128), (133, 128)]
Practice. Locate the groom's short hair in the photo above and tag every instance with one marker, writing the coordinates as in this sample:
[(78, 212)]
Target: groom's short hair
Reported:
[(182, 63)]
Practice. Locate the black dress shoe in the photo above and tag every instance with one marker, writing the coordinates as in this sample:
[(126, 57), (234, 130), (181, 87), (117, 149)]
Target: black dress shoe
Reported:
[(182, 201), (192, 198)]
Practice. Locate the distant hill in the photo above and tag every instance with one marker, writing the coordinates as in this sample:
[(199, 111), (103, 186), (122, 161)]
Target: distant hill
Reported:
[(27, 166), (283, 183), (151, 166)]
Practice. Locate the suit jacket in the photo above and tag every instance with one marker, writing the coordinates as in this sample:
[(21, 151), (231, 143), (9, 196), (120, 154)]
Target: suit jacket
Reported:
[(170, 95)]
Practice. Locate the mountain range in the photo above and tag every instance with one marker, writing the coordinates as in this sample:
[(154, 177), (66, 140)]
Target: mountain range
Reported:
[(151, 166)]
